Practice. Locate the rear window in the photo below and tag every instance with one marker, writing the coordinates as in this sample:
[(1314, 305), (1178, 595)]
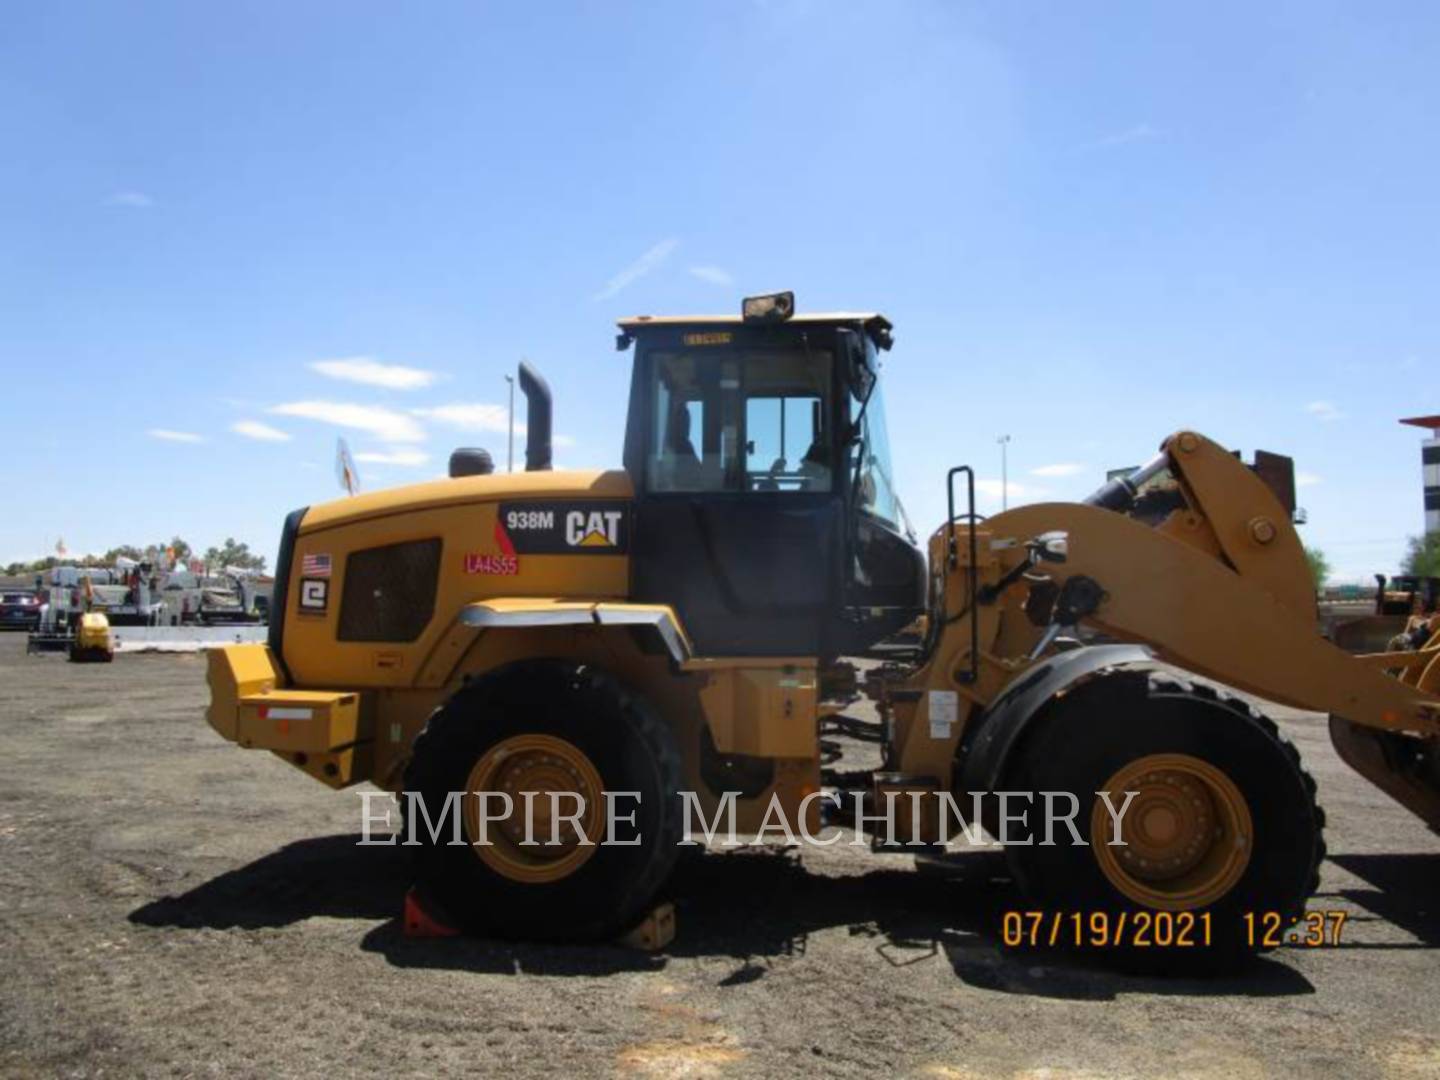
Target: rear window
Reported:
[(17, 598)]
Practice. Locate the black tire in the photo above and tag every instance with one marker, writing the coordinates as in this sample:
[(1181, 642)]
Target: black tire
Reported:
[(631, 749), (1088, 735)]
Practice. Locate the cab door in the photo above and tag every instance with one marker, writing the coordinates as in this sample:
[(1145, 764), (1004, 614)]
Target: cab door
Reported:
[(739, 515)]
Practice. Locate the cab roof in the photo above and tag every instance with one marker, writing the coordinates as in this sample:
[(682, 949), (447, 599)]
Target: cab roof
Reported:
[(868, 318)]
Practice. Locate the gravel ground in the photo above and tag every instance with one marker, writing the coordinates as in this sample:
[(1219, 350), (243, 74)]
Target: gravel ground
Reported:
[(171, 905)]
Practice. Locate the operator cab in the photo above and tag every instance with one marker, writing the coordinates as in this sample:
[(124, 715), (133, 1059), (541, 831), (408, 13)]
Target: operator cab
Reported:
[(765, 507)]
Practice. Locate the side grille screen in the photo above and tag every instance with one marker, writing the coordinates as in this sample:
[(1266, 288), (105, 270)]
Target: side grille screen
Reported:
[(390, 592)]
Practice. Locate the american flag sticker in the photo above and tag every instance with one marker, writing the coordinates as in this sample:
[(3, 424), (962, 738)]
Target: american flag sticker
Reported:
[(313, 566)]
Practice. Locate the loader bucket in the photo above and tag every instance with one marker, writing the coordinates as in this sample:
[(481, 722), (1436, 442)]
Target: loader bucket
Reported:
[(1366, 633), (1405, 767)]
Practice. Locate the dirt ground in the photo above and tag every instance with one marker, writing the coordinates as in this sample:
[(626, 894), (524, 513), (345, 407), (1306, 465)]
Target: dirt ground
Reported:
[(172, 905)]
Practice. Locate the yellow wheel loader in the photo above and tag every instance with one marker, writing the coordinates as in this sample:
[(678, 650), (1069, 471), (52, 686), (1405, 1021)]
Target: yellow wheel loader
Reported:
[(562, 672), (93, 641)]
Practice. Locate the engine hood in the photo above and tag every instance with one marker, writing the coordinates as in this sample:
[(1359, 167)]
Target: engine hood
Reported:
[(579, 484)]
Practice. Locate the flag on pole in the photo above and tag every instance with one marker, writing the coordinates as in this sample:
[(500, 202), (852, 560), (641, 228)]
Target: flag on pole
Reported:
[(345, 470)]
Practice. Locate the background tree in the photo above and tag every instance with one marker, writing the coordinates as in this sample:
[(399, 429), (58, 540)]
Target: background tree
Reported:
[(1319, 566), (1422, 556), (22, 569), (183, 551), (124, 551), (234, 555)]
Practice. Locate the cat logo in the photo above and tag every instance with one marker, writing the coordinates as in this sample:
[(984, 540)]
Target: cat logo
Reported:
[(593, 529), (568, 527)]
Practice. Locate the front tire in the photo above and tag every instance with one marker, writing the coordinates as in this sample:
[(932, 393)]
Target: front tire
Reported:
[(1223, 825), (546, 726)]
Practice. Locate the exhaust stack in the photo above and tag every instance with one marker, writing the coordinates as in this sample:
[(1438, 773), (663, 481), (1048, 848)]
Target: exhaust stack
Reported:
[(537, 418)]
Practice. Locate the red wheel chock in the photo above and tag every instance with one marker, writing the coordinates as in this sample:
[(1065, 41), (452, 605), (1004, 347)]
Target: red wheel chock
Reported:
[(422, 920)]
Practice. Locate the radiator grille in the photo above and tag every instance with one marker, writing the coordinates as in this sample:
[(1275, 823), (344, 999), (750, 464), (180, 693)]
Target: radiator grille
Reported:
[(390, 592)]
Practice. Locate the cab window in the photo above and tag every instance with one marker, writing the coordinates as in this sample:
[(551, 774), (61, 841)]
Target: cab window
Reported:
[(785, 448), (741, 420)]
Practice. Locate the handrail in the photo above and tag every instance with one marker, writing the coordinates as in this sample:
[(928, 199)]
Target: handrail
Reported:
[(971, 579)]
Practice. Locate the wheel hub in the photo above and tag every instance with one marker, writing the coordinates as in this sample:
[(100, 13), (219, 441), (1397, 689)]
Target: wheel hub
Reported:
[(543, 777), (1187, 833)]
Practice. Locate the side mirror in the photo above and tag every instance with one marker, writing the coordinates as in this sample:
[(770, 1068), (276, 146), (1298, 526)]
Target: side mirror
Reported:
[(856, 365)]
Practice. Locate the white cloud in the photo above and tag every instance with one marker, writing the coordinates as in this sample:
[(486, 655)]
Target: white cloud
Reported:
[(133, 200), (1324, 410), (563, 441), (713, 274), (404, 458), (387, 425), (1065, 468), (254, 429), (1307, 479), (472, 416), (1137, 133), (370, 372), (174, 436), (1016, 491), (639, 268)]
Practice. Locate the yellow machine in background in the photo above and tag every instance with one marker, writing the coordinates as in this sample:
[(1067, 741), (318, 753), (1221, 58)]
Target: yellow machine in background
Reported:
[(698, 620), (1402, 615), (93, 641)]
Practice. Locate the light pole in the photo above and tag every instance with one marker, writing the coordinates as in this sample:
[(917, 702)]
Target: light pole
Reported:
[(1004, 441), (510, 451)]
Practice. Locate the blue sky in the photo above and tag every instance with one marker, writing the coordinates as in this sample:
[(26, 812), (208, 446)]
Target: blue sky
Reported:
[(1092, 224)]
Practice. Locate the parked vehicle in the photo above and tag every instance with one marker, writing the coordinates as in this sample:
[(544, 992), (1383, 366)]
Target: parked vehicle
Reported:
[(19, 611)]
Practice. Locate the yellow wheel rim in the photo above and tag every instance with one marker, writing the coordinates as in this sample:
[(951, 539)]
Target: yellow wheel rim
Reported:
[(539, 765), (1187, 833)]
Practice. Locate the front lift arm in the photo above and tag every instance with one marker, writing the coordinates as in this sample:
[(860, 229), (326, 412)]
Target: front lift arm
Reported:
[(1221, 587), (1196, 611), (1216, 583)]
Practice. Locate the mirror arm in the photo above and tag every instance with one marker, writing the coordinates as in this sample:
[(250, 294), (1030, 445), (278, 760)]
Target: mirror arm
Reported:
[(988, 594)]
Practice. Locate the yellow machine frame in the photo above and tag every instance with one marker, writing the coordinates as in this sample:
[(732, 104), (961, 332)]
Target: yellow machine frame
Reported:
[(1219, 588)]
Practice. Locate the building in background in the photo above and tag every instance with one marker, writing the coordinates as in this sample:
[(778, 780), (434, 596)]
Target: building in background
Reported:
[(1430, 468)]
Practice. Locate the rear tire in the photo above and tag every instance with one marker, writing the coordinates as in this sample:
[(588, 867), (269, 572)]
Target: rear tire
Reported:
[(596, 723), (1208, 749)]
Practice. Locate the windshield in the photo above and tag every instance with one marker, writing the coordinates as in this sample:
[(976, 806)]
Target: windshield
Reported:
[(876, 492), (740, 419)]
